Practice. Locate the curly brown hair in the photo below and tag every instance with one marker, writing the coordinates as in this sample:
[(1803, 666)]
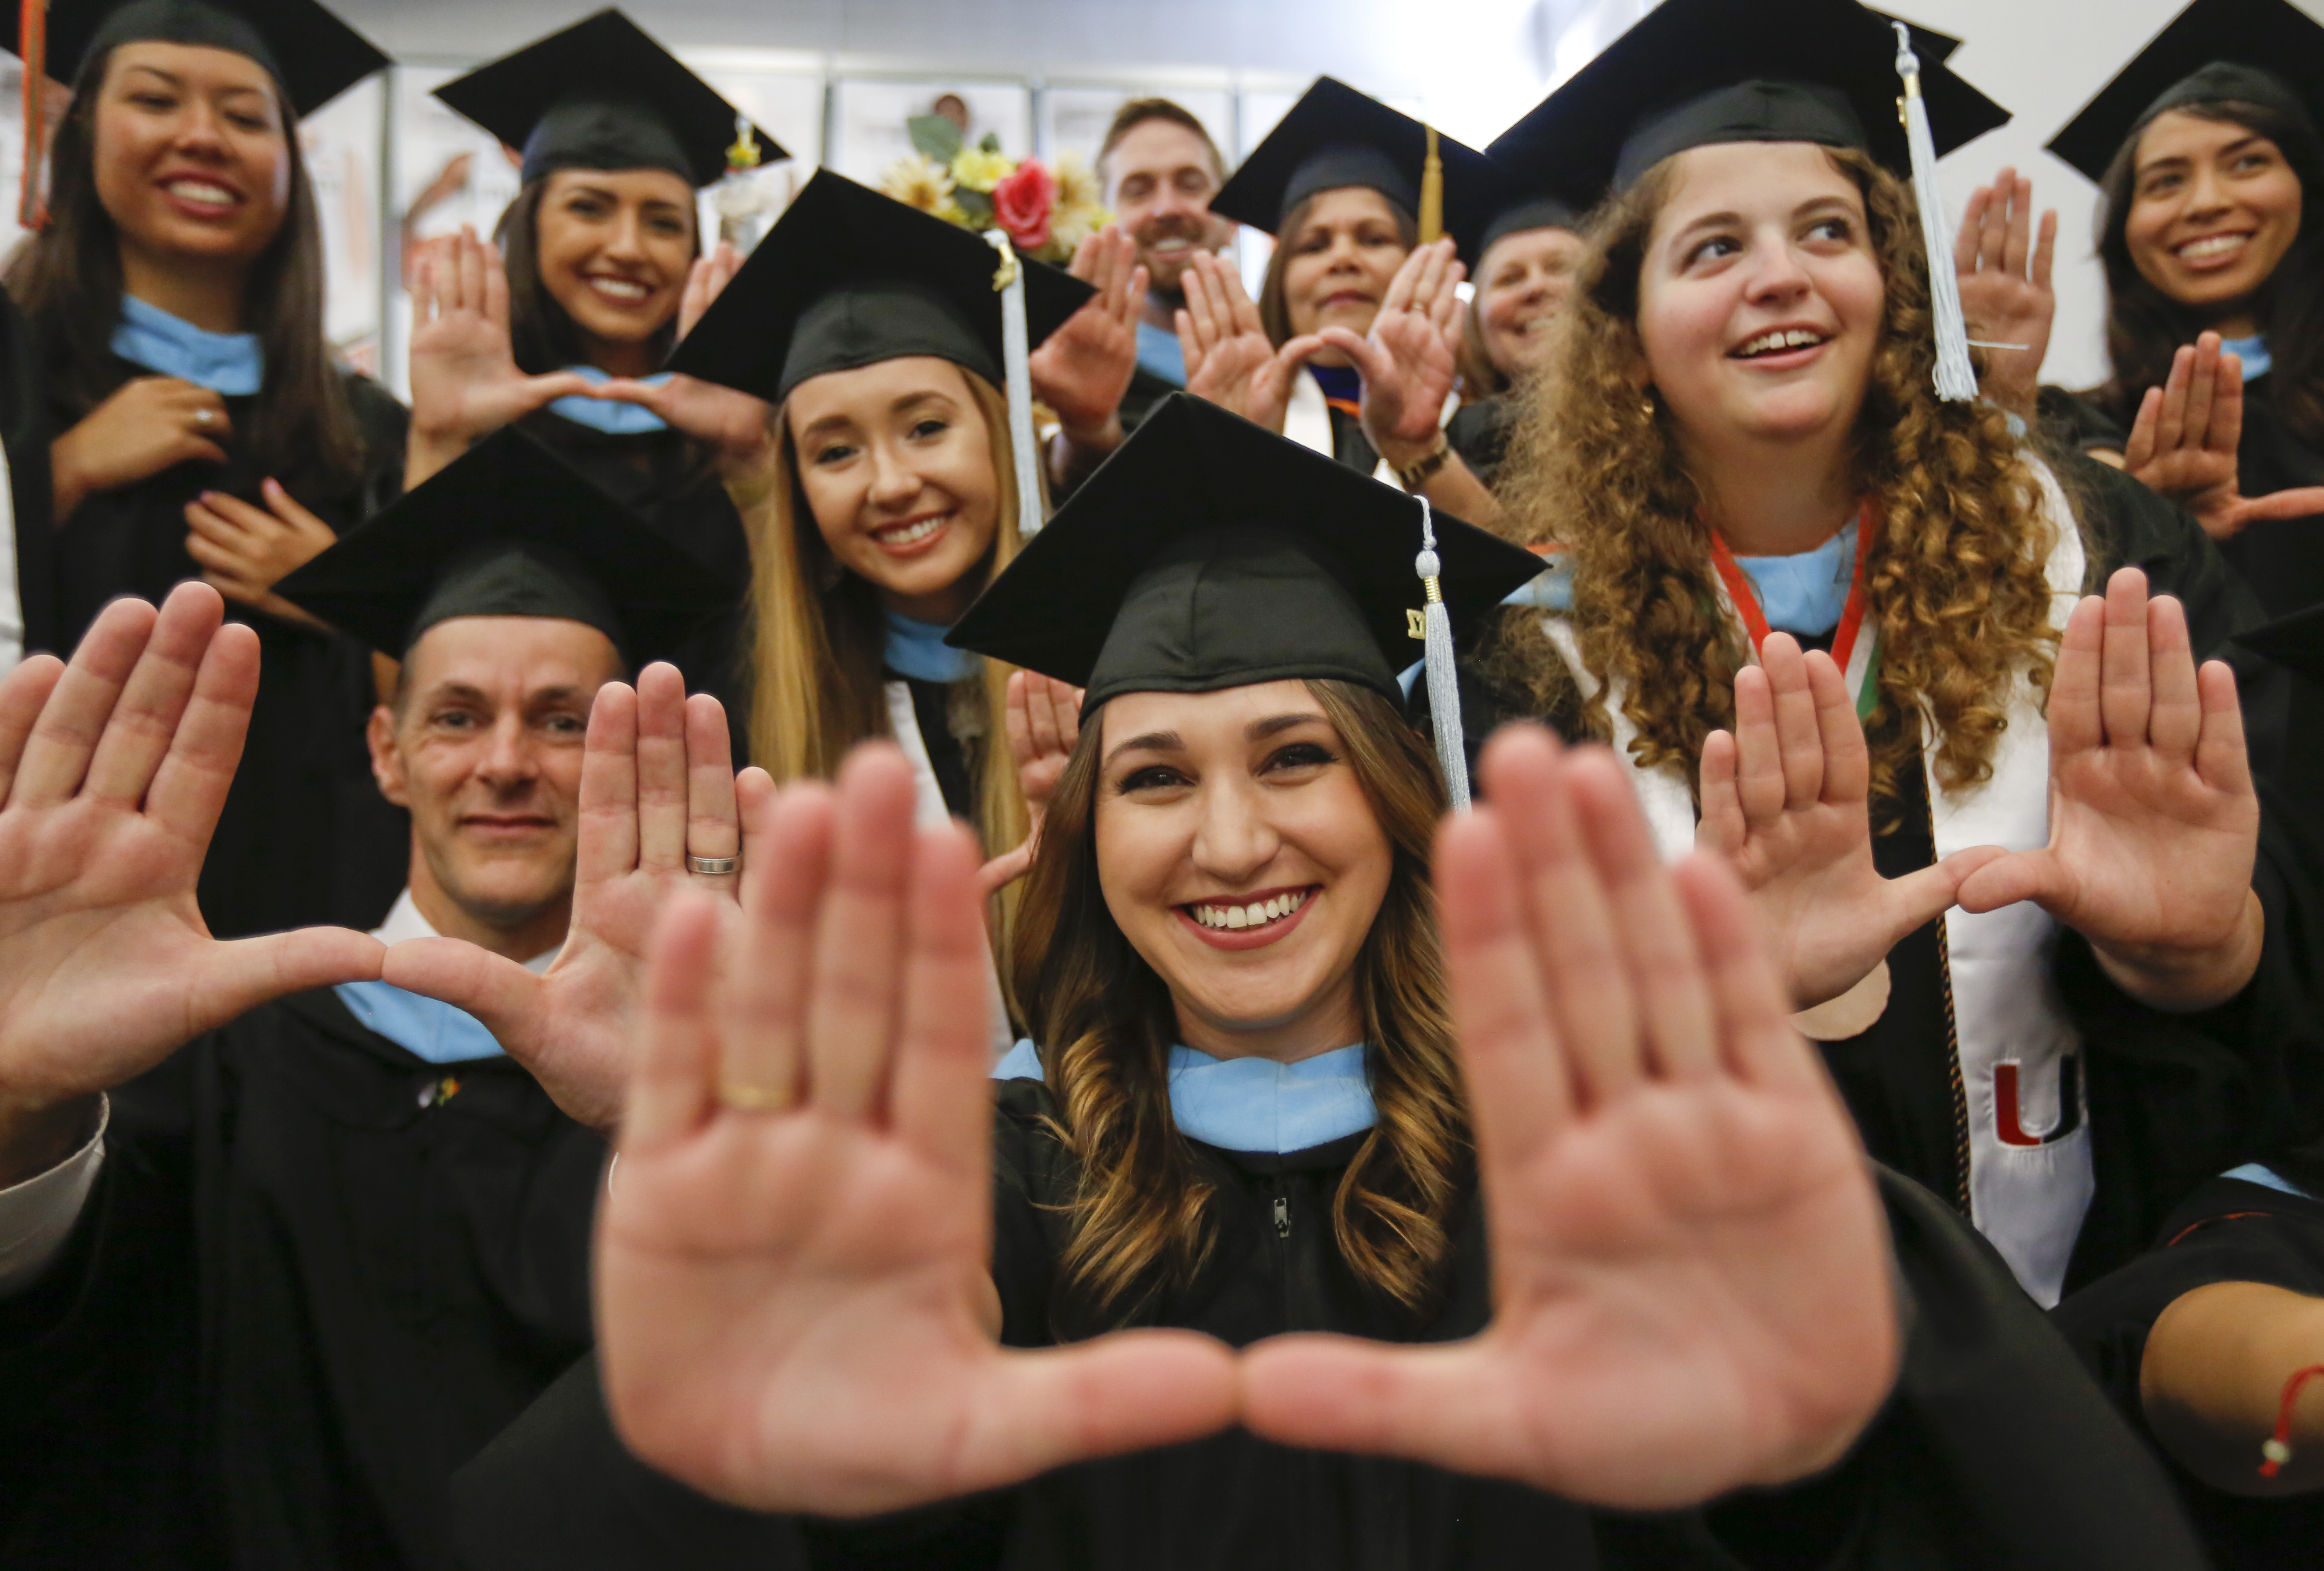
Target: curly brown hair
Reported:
[(1955, 579), (1107, 1025)]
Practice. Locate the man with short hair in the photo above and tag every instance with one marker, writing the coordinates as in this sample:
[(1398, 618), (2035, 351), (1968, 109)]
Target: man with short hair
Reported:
[(282, 1245), (1159, 168)]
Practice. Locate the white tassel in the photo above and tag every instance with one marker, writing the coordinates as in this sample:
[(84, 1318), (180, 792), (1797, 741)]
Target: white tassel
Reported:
[(1956, 377), (1443, 688), (1010, 280)]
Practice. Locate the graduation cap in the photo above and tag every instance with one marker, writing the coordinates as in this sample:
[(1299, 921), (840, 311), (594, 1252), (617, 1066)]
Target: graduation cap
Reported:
[(311, 53), (1335, 137), (509, 528), (2247, 52), (1210, 553), (850, 277), (602, 95), (1702, 73), (1692, 73), (1514, 215)]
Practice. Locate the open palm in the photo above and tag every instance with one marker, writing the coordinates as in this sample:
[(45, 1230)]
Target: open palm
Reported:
[(732, 424), (1786, 801), (1230, 360), (794, 1302), (658, 782), (1083, 369), (1406, 360), (2186, 439), (112, 771), (465, 380), (2153, 822), (1690, 1272)]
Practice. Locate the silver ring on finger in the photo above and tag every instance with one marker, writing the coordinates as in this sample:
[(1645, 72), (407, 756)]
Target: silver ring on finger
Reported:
[(715, 867), (203, 416)]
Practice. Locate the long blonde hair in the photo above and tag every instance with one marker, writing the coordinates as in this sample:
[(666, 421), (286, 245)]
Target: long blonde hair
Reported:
[(1106, 1023), (819, 634), (1956, 577)]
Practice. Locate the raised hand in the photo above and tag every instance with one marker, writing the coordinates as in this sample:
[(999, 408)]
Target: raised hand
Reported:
[(1406, 360), (148, 425), (1690, 1277), (1228, 359), (794, 1310), (2153, 823), (1786, 801), (244, 551), (112, 771), (657, 784), (465, 380), (1044, 721), (733, 424), (2184, 441), (1083, 369), (2003, 272)]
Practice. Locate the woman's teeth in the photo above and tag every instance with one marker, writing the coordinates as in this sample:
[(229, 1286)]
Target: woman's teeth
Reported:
[(626, 291), (1256, 914), (2212, 245), (911, 534), (1777, 341), (202, 191)]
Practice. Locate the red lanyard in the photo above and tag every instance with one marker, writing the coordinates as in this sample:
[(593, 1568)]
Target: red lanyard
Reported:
[(1857, 654)]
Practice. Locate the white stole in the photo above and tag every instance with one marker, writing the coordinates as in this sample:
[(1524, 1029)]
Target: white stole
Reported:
[(928, 811), (2028, 1189)]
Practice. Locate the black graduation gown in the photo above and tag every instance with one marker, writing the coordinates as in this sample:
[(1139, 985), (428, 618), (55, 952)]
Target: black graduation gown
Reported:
[(316, 1273), (663, 478), (2281, 559), (24, 432), (1481, 432), (2171, 1097), (1995, 1451), (2227, 1230), (305, 837)]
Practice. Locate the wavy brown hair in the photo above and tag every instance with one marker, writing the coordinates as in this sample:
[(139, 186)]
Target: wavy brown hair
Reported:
[(1956, 578), (1139, 1225)]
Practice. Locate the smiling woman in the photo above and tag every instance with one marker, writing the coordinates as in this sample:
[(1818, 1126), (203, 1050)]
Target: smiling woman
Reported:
[(204, 430)]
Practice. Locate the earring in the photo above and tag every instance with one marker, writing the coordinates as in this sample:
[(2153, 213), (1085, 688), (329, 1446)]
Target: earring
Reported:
[(1647, 403)]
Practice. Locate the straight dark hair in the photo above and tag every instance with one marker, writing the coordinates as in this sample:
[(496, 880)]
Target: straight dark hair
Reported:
[(2146, 326), (540, 331), (67, 281)]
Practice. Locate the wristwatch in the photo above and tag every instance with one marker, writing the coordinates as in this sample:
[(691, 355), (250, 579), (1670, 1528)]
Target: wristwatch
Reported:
[(1424, 469)]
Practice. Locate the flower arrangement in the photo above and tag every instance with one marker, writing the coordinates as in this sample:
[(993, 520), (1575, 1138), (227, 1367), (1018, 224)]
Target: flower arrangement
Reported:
[(1046, 212)]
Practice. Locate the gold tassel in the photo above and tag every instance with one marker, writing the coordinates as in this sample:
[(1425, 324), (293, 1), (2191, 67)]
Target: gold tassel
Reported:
[(1432, 193)]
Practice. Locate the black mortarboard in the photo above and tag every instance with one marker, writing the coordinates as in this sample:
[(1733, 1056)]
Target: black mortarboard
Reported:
[(509, 528), (1210, 553), (1335, 137), (602, 95), (1513, 217), (2248, 52), (1694, 73), (849, 277), (313, 54)]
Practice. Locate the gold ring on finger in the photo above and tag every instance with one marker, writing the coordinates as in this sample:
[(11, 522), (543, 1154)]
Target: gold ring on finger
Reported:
[(753, 1099)]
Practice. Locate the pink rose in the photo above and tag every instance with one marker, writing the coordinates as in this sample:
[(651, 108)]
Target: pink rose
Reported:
[(1021, 203)]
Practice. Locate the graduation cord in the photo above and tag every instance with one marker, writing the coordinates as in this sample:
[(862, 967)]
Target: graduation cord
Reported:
[(2277, 1447), (1443, 688), (1956, 377), (1008, 283)]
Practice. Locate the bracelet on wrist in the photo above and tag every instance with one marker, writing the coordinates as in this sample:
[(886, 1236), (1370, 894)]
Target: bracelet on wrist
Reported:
[(1422, 470)]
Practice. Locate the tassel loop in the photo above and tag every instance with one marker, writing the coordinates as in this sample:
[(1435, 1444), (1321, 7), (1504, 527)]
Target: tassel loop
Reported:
[(1443, 687), (1008, 280), (1956, 376)]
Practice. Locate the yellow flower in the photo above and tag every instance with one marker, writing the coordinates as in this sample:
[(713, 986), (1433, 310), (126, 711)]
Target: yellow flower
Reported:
[(979, 170), (1077, 186), (1070, 225), (919, 181)]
